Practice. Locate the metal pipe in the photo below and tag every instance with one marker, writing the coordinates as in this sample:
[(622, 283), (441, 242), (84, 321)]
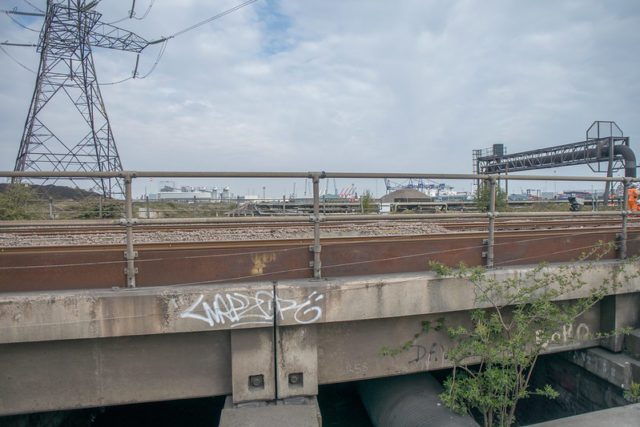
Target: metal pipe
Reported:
[(492, 221), (177, 174), (316, 248), (130, 254), (408, 400)]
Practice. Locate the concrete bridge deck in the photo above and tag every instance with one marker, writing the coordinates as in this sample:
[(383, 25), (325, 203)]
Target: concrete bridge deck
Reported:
[(255, 341)]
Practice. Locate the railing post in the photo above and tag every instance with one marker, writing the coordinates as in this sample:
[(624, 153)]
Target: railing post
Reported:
[(492, 220), (625, 213), (130, 255), (316, 248)]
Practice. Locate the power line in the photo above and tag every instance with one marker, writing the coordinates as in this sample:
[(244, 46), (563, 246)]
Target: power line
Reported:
[(206, 21), (6, 43), (132, 14), (17, 12), (163, 40), (20, 23), (155, 64), (33, 6), (134, 74), (144, 15), (14, 59)]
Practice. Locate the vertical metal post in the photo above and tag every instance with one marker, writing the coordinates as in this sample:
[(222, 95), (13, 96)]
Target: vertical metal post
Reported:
[(625, 212), (130, 255), (492, 220), (316, 263), (100, 207), (50, 208), (195, 207), (148, 209)]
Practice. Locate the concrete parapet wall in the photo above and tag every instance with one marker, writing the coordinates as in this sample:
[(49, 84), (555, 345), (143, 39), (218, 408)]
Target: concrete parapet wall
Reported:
[(258, 341), (62, 315)]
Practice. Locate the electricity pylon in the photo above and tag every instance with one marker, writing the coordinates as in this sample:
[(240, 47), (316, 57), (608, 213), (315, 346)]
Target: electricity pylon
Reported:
[(67, 74)]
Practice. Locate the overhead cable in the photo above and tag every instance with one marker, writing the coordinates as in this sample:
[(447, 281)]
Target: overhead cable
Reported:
[(206, 21), (144, 15), (20, 23), (15, 60), (33, 6), (155, 64), (132, 14), (16, 12)]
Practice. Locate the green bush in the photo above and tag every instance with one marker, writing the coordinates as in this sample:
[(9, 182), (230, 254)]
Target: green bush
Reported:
[(483, 197), (16, 202)]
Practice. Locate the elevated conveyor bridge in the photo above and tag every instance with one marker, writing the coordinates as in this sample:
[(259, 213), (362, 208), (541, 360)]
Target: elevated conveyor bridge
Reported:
[(605, 149)]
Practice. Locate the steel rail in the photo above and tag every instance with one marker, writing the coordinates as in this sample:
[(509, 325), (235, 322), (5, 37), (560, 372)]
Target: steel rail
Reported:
[(54, 236), (306, 241), (129, 221), (91, 226), (303, 219)]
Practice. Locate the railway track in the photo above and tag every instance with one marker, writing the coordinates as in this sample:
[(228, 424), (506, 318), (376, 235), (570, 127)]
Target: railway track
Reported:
[(172, 263), (52, 231)]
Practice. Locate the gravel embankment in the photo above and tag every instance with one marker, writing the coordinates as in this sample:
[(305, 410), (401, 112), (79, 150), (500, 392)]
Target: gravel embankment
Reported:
[(257, 232)]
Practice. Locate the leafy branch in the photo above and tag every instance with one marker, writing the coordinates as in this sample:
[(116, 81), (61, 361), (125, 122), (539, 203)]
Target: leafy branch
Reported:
[(516, 320)]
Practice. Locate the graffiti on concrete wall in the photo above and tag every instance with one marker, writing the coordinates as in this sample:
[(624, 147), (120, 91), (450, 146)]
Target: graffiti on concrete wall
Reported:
[(241, 309), (435, 354), (567, 335)]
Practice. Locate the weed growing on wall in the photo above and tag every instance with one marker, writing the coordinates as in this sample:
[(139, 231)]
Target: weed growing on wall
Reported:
[(633, 394), (494, 358)]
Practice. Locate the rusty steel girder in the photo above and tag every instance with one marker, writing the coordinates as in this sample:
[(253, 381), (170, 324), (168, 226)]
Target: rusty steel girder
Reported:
[(37, 269)]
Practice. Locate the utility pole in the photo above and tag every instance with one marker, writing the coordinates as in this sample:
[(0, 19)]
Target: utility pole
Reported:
[(67, 77)]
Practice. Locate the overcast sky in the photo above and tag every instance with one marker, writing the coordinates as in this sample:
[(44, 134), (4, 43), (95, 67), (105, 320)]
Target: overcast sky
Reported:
[(362, 86)]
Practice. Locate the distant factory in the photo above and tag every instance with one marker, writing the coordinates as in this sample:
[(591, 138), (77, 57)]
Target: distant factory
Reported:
[(170, 192)]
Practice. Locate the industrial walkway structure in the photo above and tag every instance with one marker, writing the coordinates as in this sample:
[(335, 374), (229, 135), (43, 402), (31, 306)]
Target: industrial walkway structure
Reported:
[(604, 144), (160, 326)]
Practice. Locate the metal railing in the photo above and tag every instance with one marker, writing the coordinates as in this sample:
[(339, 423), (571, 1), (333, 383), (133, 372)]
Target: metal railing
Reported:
[(316, 217)]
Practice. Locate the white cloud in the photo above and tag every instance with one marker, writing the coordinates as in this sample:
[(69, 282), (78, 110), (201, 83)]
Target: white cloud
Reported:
[(354, 86)]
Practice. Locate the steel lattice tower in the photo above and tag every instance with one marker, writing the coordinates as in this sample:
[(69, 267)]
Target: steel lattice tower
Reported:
[(67, 74)]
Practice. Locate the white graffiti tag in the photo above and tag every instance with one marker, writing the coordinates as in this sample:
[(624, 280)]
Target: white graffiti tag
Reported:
[(258, 309), (566, 336)]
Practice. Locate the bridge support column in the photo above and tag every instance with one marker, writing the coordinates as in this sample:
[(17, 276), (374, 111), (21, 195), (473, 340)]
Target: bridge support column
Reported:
[(252, 365), (273, 385), (297, 361), (616, 312)]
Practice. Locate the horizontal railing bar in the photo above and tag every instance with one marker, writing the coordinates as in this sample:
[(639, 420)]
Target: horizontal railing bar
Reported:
[(320, 174)]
